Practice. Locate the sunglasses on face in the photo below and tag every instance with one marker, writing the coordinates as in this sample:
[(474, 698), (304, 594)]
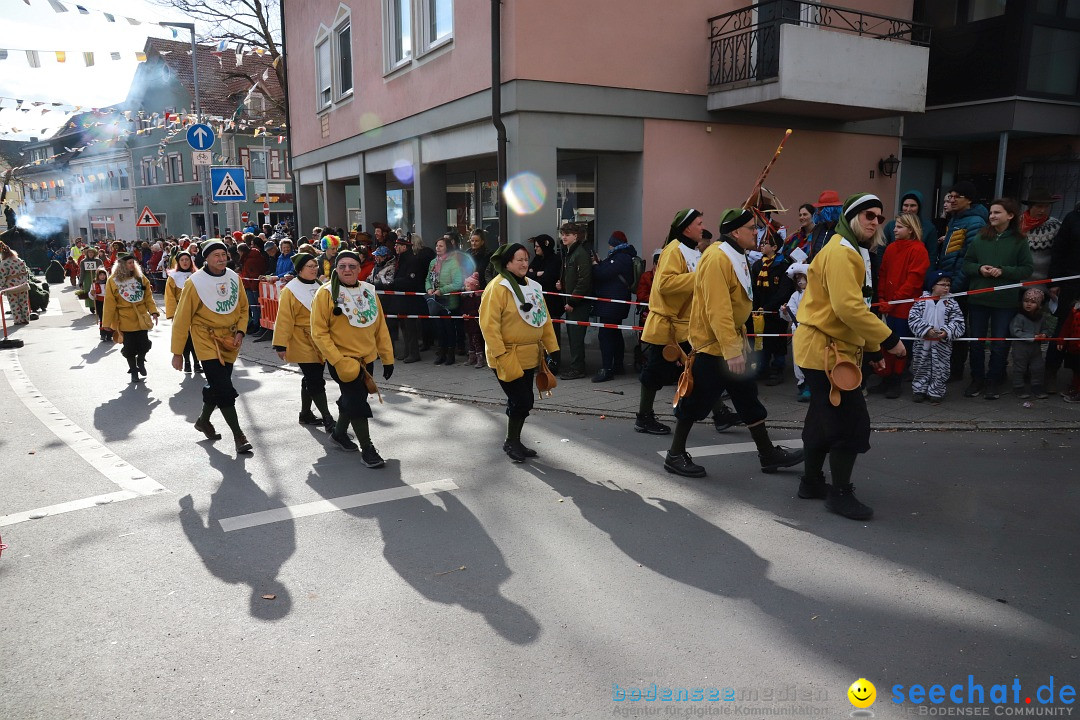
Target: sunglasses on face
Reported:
[(875, 216)]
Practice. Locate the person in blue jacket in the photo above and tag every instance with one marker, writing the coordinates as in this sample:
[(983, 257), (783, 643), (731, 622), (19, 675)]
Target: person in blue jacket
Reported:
[(613, 277), (284, 268), (965, 223)]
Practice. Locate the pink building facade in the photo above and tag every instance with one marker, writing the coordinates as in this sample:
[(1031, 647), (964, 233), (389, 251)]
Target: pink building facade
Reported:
[(618, 112)]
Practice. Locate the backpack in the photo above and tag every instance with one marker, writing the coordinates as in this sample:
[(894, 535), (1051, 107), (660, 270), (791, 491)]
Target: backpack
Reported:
[(639, 270)]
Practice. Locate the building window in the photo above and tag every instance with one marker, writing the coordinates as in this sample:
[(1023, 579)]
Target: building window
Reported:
[(124, 181), (175, 172), (255, 103), (344, 59), (322, 73), (257, 164), (984, 9), (398, 32), (149, 172), (275, 165), (438, 22), (1054, 63)]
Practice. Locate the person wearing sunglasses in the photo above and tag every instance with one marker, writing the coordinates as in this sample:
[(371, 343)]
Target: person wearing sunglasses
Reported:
[(835, 313)]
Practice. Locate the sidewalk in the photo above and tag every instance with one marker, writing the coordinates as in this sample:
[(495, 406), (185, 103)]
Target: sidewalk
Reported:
[(618, 399)]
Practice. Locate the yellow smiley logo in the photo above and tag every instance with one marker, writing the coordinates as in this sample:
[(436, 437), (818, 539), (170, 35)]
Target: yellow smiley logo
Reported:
[(862, 693)]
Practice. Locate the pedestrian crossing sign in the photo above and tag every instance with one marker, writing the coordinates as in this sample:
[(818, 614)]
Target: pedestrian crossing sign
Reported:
[(147, 218), (229, 184)]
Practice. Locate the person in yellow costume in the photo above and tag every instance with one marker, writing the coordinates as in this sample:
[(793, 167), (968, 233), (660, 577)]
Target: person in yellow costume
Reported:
[(669, 319), (129, 308), (836, 310), (213, 308), (349, 330), (292, 339), (181, 270), (517, 330), (723, 298)]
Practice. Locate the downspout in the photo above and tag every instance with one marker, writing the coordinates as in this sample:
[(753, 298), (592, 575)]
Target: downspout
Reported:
[(496, 112), (288, 126)]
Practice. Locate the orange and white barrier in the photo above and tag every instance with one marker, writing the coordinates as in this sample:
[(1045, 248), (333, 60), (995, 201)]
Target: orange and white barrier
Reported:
[(268, 303)]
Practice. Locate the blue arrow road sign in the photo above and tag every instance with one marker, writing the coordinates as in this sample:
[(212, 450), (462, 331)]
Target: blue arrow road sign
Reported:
[(229, 184), (200, 136)]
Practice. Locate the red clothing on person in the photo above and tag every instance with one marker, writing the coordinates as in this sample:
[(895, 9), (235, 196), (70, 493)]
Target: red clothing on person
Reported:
[(903, 271), (252, 267), (366, 267)]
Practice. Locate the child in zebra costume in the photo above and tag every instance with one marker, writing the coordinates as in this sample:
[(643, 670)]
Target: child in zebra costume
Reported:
[(937, 321)]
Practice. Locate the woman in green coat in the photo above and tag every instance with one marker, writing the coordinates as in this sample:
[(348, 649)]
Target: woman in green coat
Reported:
[(444, 277), (89, 263), (1000, 255)]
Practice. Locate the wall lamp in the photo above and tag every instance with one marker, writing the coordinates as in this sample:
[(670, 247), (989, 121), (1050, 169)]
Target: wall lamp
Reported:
[(888, 166)]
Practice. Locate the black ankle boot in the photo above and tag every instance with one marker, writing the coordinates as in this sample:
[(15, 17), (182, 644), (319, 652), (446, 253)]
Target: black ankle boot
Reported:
[(647, 423), (813, 488), (843, 502)]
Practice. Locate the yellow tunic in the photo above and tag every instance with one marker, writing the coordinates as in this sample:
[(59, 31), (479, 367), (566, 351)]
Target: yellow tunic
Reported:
[(833, 306), (172, 297), (192, 316), (119, 314), (336, 339), (721, 307), (510, 343), (292, 330), (669, 300)]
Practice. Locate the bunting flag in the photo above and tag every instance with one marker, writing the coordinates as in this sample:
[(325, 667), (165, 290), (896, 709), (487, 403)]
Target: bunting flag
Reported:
[(61, 56), (33, 59), (82, 10), (57, 6), (88, 58), (114, 55), (3, 55), (140, 56)]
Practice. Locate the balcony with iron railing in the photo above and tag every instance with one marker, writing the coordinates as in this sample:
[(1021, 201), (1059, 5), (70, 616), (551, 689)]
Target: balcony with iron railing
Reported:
[(783, 56)]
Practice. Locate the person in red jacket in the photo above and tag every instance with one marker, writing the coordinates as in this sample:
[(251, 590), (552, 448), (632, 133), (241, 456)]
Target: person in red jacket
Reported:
[(903, 270), (252, 267)]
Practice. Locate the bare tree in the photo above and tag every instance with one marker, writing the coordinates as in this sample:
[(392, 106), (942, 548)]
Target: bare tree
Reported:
[(253, 23)]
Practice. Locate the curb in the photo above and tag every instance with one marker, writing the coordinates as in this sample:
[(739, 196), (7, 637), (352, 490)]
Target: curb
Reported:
[(541, 407)]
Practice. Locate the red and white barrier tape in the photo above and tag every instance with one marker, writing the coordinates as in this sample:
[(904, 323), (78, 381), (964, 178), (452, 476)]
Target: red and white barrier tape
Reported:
[(981, 291)]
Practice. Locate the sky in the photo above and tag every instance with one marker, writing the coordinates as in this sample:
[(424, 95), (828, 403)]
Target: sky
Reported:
[(35, 25)]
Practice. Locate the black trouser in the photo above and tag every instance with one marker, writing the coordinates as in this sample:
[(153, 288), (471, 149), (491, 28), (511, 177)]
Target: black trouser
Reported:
[(353, 402), (410, 332), (656, 372), (219, 390), (136, 344), (313, 382), (845, 427), (519, 395), (711, 379), (612, 345)]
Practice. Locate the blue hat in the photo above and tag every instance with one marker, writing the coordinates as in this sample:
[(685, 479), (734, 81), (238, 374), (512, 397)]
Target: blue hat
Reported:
[(382, 251), (933, 276)]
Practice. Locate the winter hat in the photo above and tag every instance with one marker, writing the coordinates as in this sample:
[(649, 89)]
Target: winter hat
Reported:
[(268, 245), (502, 255), (347, 254), (237, 235), (965, 188), (797, 269), (212, 246), (1036, 294), (617, 238), (854, 205), (828, 198), (682, 220), (934, 276), (382, 251), (735, 218), (125, 257), (473, 282), (301, 259)]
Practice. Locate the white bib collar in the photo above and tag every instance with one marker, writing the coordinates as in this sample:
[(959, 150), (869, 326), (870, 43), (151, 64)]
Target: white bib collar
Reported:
[(691, 255), (220, 294), (302, 291), (358, 304), (742, 269), (533, 293)]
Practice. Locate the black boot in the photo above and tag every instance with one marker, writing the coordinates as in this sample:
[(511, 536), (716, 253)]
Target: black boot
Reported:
[(140, 363), (647, 423), (777, 457), (843, 502), (450, 357), (440, 356), (187, 365), (813, 488), (683, 464), (724, 418)]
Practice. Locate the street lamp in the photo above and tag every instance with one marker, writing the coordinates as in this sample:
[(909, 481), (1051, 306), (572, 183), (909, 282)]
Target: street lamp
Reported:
[(190, 27)]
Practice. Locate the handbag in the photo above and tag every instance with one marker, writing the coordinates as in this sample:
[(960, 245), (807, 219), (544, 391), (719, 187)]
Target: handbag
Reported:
[(545, 379)]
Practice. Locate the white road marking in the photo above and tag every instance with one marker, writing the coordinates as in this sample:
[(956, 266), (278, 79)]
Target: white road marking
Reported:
[(730, 448), (345, 502), (132, 482)]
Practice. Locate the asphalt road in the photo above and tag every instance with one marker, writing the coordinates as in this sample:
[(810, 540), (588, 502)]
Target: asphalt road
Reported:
[(453, 584)]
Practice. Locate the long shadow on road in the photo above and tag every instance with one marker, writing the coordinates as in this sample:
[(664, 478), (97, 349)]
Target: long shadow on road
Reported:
[(427, 544), (850, 625), (119, 417), (253, 556)]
